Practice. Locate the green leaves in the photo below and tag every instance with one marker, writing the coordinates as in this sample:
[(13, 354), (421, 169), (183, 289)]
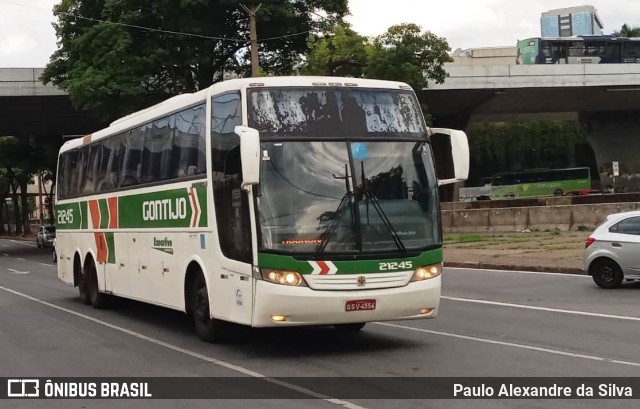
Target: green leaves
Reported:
[(342, 52), (111, 65), (500, 146), (403, 53), (628, 31)]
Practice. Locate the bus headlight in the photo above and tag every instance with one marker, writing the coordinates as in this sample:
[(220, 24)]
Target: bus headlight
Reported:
[(427, 272), (284, 277)]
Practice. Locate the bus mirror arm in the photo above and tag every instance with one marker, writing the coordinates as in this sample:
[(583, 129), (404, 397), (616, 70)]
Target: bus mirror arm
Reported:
[(458, 149), (249, 155)]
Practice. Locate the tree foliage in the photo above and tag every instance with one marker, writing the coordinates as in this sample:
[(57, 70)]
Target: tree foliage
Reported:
[(341, 52), (628, 31), (497, 147), (403, 53), (22, 158), (109, 66)]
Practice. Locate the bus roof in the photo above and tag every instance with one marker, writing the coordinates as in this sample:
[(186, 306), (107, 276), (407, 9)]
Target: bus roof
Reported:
[(592, 37), (184, 100)]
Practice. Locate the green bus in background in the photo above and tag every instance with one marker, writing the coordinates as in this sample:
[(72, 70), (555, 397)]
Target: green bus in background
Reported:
[(528, 51), (539, 182)]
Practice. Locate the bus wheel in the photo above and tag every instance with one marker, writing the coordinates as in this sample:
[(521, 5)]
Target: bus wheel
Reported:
[(82, 283), (208, 329), (98, 300), (558, 192), (349, 328)]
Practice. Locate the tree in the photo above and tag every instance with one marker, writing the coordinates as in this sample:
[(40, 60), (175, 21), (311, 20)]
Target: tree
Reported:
[(405, 53), (627, 31), (109, 66), (341, 52)]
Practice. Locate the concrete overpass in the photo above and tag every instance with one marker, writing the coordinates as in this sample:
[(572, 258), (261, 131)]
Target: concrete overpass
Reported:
[(28, 107), (605, 97), (504, 91)]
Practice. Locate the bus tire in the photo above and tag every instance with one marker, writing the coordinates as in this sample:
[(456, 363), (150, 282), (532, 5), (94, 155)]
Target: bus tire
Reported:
[(349, 328), (98, 300), (208, 329), (82, 281)]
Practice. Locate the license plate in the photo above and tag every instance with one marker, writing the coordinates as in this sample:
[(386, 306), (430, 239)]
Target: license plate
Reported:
[(360, 305)]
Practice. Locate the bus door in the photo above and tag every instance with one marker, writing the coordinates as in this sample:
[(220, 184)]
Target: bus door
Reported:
[(612, 53), (232, 292), (558, 53)]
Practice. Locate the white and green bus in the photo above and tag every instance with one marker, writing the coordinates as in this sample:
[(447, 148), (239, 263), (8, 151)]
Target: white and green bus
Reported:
[(264, 202)]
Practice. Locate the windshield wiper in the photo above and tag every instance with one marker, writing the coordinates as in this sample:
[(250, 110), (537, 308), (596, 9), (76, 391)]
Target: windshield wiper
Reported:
[(367, 193), (347, 199)]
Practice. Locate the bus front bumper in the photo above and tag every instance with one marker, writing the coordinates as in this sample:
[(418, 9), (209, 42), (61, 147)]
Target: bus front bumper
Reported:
[(304, 306)]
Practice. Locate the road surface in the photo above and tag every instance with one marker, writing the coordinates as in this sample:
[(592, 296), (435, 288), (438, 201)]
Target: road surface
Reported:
[(491, 323)]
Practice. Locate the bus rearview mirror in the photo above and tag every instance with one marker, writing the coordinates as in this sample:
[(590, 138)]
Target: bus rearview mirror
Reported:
[(451, 153), (249, 155)]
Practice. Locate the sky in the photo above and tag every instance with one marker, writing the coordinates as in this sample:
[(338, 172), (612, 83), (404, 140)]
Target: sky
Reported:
[(27, 38)]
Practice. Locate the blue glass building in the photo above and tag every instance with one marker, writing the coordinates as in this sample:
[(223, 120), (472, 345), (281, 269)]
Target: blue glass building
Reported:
[(572, 21)]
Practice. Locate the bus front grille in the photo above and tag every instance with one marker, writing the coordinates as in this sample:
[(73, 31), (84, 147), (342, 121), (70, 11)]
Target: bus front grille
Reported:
[(358, 281)]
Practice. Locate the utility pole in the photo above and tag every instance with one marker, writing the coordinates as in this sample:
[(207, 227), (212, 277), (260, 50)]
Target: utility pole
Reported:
[(40, 205), (255, 63)]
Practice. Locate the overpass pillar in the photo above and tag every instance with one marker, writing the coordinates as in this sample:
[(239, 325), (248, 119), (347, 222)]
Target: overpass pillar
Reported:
[(615, 136)]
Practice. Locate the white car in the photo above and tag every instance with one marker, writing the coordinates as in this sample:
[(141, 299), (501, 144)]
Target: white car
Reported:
[(612, 252)]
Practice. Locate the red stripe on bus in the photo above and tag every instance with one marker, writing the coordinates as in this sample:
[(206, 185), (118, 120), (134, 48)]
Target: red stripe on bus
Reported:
[(94, 209), (113, 212), (101, 247), (87, 139), (194, 202), (324, 268)]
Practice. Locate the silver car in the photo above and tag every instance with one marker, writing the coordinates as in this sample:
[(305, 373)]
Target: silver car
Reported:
[(45, 236), (612, 252)]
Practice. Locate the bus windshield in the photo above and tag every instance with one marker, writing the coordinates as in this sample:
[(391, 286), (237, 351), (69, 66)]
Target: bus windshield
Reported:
[(332, 113), (337, 197)]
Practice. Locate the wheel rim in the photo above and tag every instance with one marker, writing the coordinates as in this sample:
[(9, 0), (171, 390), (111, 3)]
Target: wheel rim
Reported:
[(606, 274), (201, 306)]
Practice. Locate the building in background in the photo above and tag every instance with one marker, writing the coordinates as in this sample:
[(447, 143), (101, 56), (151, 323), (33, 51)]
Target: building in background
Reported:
[(571, 21), (484, 56)]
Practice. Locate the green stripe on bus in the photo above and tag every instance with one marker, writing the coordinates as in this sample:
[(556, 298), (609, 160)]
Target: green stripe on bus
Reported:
[(71, 216), (202, 201), (161, 209), (104, 213), (280, 262), (84, 212), (111, 246)]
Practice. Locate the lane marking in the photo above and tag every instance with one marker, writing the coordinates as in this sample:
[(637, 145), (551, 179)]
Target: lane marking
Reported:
[(514, 345), (5, 254), (20, 258), (46, 264), (25, 243), (517, 271), (224, 364), (546, 309), (12, 271)]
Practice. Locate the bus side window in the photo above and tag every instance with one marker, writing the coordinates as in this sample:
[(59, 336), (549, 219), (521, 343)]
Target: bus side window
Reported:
[(189, 143), (72, 174), (132, 166), (157, 145), (63, 172), (91, 159), (231, 202)]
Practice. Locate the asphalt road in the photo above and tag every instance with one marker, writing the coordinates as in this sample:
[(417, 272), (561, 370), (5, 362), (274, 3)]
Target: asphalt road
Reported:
[(491, 323)]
